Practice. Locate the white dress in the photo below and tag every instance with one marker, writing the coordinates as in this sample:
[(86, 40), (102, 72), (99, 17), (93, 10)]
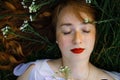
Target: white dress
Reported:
[(42, 71)]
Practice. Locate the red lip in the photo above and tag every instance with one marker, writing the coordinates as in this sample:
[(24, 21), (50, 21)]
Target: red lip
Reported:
[(77, 50)]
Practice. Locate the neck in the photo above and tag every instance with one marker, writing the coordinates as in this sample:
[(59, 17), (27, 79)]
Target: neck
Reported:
[(80, 70)]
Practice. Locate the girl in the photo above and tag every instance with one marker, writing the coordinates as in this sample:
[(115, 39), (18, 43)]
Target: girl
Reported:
[(73, 21)]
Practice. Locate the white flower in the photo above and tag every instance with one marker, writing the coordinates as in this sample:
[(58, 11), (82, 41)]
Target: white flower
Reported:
[(86, 20), (88, 1), (24, 26), (5, 31)]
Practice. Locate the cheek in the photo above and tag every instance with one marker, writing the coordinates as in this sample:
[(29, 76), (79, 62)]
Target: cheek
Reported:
[(63, 42), (90, 41)]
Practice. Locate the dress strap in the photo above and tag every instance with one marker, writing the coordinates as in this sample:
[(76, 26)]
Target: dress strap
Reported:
[(115, 75), (21, 68)]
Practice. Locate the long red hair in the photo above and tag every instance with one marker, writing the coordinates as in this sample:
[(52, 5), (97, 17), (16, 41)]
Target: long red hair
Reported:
[(14, 49)]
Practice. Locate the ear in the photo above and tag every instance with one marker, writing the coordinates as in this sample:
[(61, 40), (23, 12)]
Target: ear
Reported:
[(57, 42)]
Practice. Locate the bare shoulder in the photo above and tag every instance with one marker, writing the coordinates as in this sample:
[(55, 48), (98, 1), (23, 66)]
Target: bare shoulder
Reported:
[(104, 76), (25, 75), (100, 74)]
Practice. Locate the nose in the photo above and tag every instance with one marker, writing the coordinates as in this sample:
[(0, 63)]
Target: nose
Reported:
[(77, 37)]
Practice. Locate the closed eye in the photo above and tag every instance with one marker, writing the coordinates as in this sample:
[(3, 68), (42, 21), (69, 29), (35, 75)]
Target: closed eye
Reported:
[(86, 31), (65, 33)]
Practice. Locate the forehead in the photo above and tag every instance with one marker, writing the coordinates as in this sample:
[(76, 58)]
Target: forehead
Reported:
[(69, 12)]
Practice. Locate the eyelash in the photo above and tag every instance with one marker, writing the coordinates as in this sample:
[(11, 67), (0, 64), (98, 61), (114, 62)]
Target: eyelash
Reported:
[(65, 33), (86, 31)]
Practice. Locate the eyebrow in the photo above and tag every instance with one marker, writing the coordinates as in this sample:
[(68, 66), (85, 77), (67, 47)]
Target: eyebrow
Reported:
[(66, 24), (69, 24)]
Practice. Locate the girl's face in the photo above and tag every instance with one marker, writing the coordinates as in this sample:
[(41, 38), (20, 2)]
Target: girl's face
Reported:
[(75, 38)]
